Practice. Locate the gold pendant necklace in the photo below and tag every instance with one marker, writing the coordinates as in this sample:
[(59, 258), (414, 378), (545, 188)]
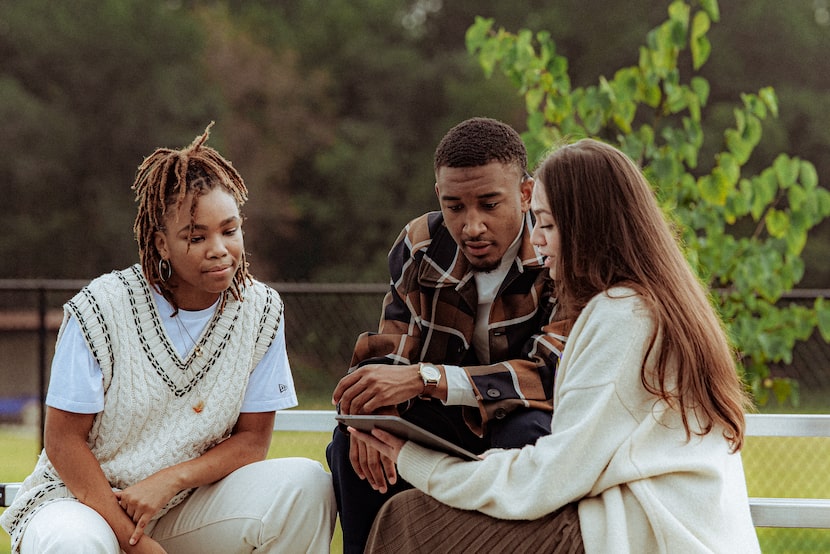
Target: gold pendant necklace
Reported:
[(197, 352)]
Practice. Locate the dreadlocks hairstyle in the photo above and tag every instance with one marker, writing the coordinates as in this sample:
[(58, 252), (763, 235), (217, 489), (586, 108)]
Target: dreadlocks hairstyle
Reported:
[(162, 183), (479, 141)]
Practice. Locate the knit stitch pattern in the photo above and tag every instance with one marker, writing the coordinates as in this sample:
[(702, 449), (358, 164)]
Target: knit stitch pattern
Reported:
[(149, 421)]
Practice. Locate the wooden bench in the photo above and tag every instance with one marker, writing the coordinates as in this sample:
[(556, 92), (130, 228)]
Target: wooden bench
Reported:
[(766, 512)]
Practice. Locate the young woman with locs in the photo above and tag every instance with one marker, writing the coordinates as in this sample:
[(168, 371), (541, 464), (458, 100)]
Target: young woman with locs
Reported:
[(164, 385)]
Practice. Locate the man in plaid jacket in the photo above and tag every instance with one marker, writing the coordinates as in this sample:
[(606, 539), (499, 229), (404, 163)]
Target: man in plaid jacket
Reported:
[(459, 350)]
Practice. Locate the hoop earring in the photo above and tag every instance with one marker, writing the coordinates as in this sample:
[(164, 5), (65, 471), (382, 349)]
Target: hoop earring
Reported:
[(165, 270)]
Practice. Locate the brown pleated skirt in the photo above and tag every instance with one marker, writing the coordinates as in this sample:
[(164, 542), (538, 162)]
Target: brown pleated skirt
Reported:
[(412, 522)]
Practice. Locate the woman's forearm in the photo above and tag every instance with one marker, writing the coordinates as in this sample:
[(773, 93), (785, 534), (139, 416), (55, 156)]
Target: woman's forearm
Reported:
[(65, 441)]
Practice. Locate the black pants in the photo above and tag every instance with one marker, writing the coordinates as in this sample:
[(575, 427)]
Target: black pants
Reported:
[(358, 503)]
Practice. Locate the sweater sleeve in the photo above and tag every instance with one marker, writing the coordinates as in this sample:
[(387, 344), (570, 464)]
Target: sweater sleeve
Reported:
[(591, 424)]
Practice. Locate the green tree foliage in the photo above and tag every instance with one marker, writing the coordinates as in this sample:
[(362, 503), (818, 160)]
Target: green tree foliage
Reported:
[(654, 111), (398, 76), (781, 44), (330, 111), (88, 88), (275, 113), (82, 84), (397, 79)]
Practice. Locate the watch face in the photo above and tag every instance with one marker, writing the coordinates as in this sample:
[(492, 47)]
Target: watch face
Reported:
[(430, 372)]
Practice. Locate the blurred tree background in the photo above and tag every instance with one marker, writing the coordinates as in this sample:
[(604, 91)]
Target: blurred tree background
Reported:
[(331, 111)]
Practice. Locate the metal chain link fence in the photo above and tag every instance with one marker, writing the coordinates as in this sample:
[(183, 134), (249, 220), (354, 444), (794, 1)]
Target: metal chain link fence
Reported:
[(322, 323)]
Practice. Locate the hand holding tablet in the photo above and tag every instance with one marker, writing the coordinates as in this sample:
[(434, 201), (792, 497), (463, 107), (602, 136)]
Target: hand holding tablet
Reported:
[(405, 430)]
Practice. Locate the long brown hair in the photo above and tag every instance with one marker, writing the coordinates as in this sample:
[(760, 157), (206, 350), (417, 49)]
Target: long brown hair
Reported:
[(162, 183), (613, 232)]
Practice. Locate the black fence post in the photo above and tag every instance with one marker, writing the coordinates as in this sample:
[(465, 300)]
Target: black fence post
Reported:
[(42, 334)]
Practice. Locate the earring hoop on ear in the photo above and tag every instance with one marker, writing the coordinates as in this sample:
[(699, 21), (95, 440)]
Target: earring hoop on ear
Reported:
[(165, 270)]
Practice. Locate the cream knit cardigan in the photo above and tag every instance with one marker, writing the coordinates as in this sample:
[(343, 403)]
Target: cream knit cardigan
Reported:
[(641, 486), (148, 422)]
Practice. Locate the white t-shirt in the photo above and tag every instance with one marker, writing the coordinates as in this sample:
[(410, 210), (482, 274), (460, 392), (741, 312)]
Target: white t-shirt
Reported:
[(76, 382), (459, 390)]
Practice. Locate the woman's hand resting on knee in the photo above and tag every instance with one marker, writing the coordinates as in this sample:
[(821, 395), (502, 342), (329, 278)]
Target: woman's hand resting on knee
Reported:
[(144, 499)]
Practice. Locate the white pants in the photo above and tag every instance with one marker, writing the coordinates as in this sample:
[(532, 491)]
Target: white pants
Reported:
[(275, 506)]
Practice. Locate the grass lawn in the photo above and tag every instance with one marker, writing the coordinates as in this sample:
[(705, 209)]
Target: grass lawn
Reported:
[(774, 467)]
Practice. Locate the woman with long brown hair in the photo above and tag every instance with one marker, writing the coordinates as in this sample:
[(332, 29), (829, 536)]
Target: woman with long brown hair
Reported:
[(643, 454)]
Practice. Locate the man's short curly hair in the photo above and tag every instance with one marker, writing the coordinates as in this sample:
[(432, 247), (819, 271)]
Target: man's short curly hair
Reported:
[(479, 141)]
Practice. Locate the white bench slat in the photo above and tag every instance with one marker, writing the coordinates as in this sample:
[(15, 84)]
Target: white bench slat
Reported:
[(766, 512), (7, 493), (790, 512), (305, 420), (757, 425), (285, 420), (788, 425)]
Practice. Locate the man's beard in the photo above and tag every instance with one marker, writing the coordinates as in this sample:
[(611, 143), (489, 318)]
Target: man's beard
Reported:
[(486, 267)]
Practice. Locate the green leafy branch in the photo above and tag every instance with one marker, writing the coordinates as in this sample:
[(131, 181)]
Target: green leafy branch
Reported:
[(655, 117)]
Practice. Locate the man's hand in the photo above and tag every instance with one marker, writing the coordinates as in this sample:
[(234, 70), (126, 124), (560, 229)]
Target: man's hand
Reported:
[(374, 386), (371, 465), (387, 444)]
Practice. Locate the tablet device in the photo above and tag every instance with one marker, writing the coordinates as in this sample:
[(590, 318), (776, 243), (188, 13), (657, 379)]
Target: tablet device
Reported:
[(405, 430)]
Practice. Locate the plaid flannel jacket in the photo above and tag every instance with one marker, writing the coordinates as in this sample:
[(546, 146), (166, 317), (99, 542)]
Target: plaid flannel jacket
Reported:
[(429, 316)]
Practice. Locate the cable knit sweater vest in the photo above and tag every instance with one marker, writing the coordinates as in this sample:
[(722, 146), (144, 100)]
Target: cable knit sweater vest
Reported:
[(159, 409)]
